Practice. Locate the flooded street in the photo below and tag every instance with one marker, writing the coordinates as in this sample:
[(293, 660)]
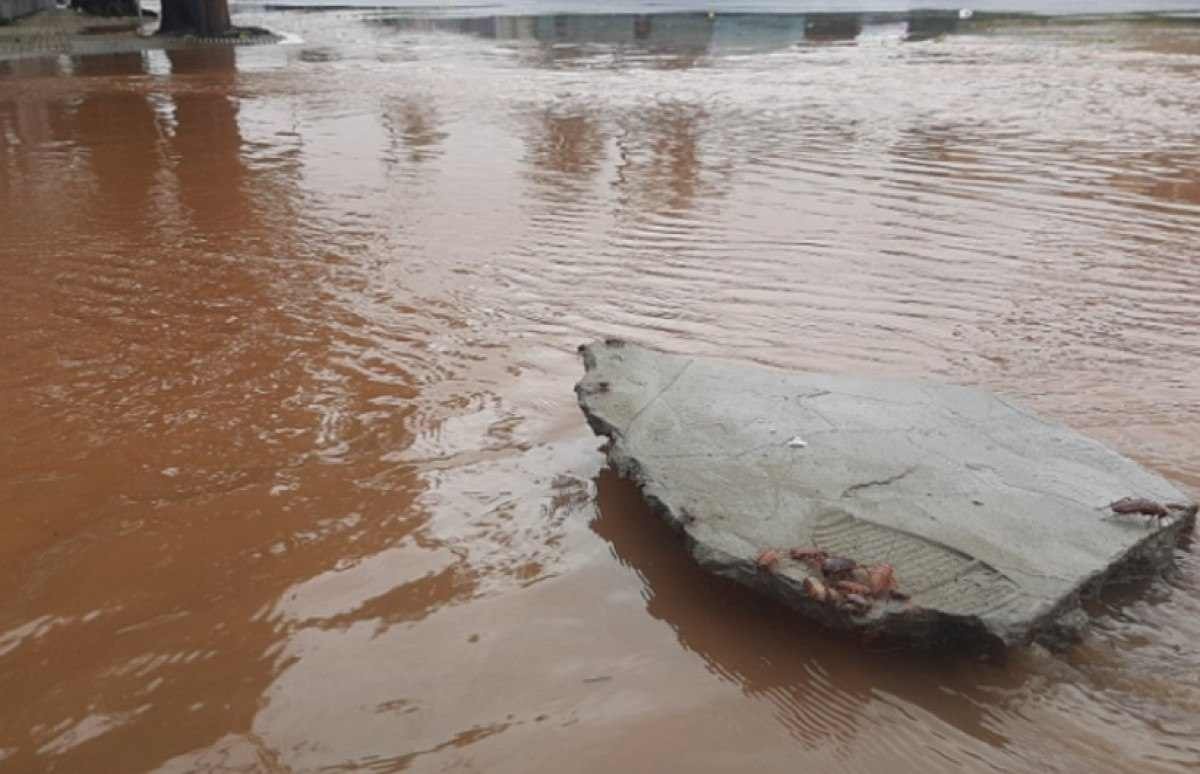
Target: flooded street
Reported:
[(291, 471)]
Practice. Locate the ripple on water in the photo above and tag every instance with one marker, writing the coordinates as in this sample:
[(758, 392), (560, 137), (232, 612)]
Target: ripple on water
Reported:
[(294, 473)]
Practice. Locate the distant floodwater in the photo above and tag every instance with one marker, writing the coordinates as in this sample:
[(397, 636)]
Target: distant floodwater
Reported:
[(293, 476), (506, 7)]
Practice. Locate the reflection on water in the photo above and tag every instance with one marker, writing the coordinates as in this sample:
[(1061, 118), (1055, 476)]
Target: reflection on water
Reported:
[(679, 39), (293, 475)]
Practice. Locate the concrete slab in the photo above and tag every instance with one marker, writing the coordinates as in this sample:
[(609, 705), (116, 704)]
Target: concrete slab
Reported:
[(992, 519)]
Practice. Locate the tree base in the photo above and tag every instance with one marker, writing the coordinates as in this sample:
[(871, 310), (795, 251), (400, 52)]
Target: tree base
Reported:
[(232, 34)]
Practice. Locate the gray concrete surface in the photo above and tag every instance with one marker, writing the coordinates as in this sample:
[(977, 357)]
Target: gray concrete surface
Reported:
[(993, 518)]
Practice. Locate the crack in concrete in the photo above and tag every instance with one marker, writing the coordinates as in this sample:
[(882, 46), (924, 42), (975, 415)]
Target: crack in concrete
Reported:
[(880, 482), (1009, 570), (633, 420)]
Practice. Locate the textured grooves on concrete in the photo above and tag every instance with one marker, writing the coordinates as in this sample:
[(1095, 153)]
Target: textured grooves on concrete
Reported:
[(934, 575), (994, 519)]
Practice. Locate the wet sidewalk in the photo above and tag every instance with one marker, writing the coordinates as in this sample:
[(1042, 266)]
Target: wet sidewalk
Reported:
[(64, 31)]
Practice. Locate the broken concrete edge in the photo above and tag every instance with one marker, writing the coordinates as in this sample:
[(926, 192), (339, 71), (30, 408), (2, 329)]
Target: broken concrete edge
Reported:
[(1065, 623), (1057, 625)]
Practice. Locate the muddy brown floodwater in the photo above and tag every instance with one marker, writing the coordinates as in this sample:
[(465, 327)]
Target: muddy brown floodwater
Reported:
[(291, 473)]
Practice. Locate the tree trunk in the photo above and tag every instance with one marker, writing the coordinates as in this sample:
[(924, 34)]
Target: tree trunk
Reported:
[(196, 17)]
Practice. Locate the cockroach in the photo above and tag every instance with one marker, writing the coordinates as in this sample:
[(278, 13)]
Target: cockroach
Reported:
[(767, 559), (1139, 505)]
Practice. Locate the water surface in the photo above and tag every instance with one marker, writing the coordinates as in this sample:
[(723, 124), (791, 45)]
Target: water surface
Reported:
[(291, 473)]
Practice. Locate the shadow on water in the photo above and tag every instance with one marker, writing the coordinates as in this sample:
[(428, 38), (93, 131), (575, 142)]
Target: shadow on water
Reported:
[(818, 681)]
